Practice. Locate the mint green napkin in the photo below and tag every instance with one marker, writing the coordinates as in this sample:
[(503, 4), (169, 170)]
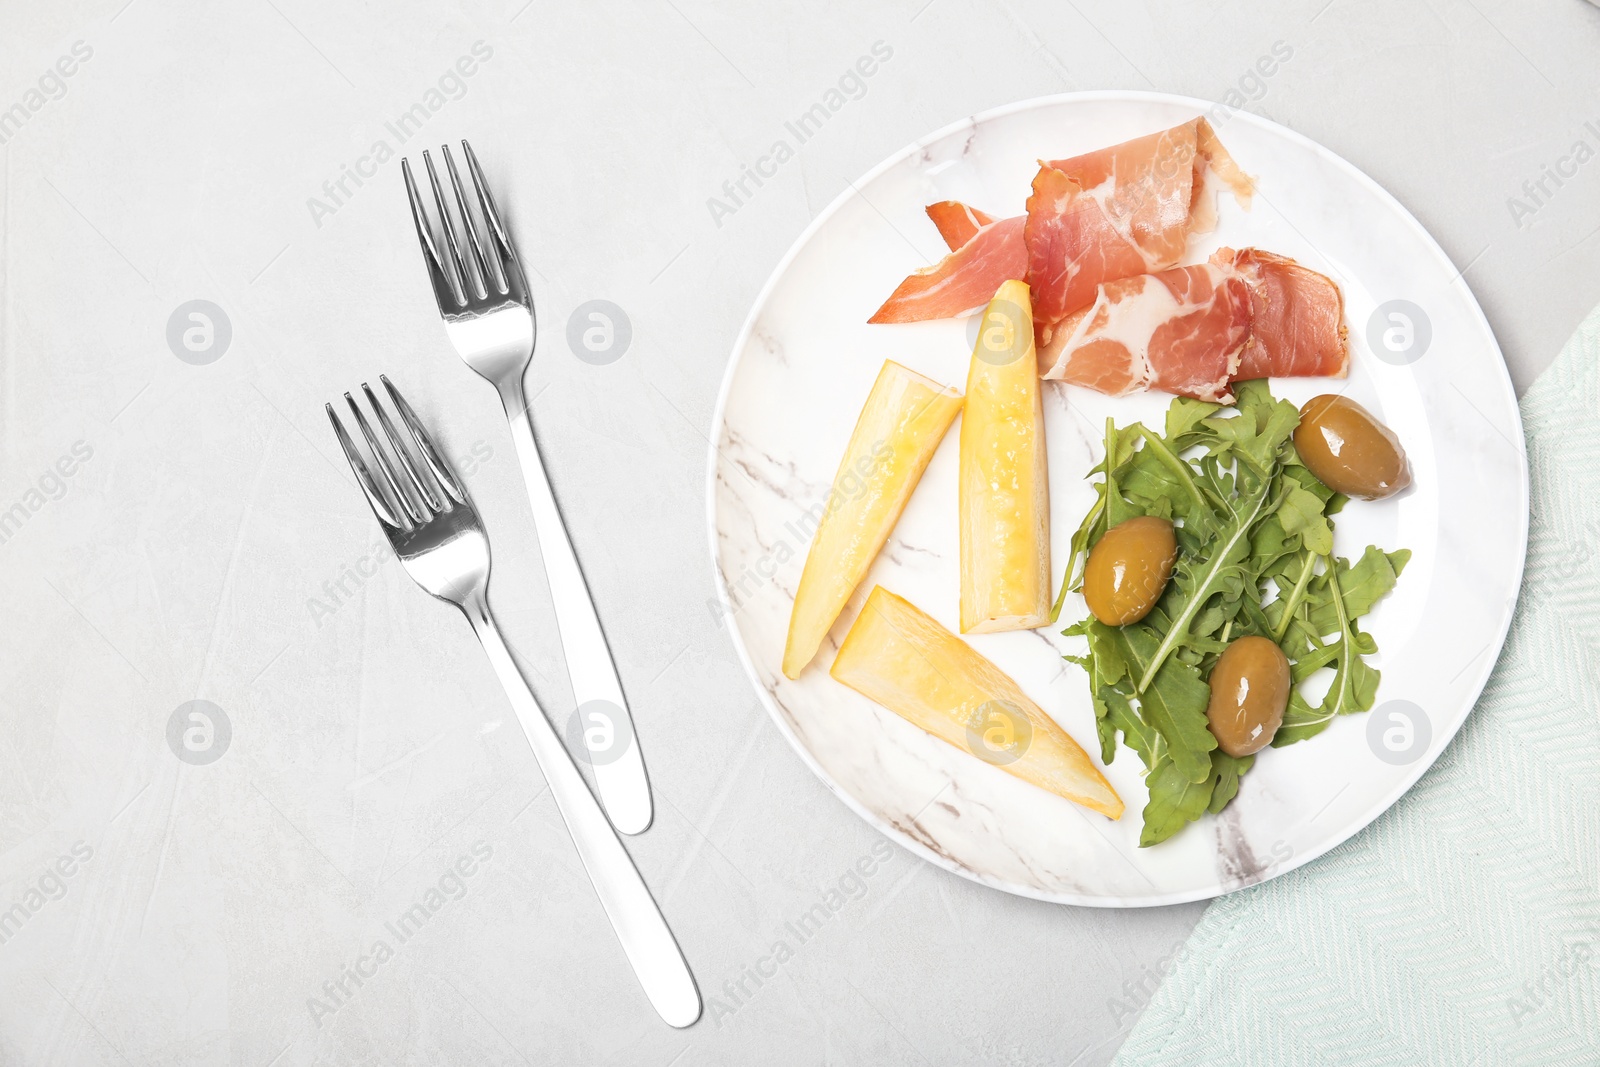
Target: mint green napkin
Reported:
[(1463, 926)]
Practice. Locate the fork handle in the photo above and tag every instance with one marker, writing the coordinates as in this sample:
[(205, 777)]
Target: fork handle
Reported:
[(619, 777), (638, 922)]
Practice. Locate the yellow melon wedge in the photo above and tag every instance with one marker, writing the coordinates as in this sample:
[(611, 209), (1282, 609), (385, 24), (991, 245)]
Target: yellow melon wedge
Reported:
[(1005, 495), (905, 418), (901, 658)]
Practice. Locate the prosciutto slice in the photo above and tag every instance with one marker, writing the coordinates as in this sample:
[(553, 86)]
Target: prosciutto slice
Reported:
[(957, 222), (1182, 330), (965, 279), (1195, 330), (1114, 213), (1297, 319)]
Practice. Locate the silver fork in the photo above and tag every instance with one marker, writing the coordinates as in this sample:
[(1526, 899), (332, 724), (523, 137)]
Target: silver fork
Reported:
[(435, 530), (488, 315)]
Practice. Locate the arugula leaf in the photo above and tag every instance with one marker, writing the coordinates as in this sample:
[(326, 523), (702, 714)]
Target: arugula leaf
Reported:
[(1348, 593), (1292, 579), (1155, 472), (1175, 700), (1138, 734), (1229, 770), (1372, 577), (1185, 415), (1301, 513), (1300, 721), (1089, 530), (1119, 451), (1256, 435), (1174, 802)]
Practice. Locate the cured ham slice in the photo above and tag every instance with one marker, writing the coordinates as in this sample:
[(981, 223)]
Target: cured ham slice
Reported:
[(957, 222), (1117, 212), (1194, 330), (1297, 319), (964, 279), (1182, 330)]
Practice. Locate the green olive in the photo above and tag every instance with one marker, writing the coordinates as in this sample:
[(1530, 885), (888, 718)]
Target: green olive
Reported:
[(1249, 692), (1128, 569), (1352, 452)]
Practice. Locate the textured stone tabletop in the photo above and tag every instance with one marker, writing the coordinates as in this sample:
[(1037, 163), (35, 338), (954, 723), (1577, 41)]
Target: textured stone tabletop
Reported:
[(345, 853)]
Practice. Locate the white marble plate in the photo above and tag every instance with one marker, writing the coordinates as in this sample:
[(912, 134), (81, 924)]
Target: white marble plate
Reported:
[(806, 358)]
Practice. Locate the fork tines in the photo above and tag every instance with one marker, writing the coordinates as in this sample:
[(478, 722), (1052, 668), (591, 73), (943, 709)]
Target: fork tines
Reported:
[(483, 266), (406, 498)]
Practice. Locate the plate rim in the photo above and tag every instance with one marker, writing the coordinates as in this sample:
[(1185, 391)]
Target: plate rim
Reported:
[(852, 191)]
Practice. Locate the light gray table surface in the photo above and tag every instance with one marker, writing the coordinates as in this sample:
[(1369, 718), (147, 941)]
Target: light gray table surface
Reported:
[(173, 532)]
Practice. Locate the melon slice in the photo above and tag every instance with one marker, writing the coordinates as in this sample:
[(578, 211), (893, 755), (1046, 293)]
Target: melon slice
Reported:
[(905, 418), (903, 659), (1005, 494)]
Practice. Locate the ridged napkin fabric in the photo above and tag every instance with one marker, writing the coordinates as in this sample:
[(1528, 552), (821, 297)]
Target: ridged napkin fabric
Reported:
[(1463, 926)]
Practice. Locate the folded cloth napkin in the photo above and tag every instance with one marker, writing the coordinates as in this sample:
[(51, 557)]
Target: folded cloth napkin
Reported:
[(1463, 926)]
